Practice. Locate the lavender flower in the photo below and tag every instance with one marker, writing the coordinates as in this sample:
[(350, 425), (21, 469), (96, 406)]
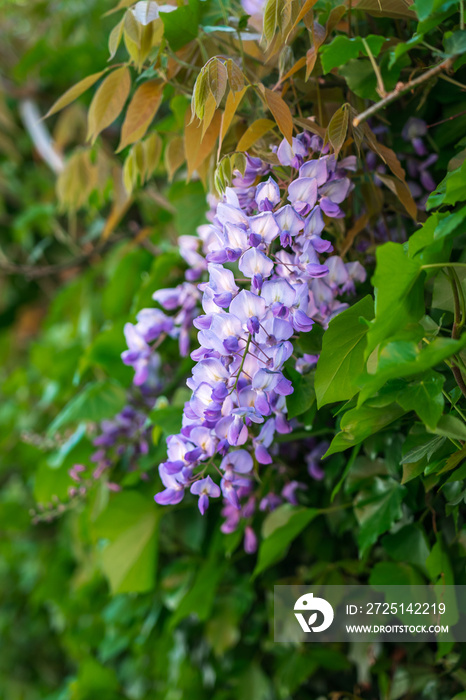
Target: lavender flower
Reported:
[(262, 282)]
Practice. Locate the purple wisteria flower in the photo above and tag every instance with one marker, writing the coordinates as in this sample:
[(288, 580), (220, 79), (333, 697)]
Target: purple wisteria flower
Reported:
[(261, 281)]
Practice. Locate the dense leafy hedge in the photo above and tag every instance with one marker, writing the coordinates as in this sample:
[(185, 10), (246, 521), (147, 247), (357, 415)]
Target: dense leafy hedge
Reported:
[(326, 143)]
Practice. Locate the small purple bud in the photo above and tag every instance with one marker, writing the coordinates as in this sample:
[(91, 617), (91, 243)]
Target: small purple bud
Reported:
[(250, 540)]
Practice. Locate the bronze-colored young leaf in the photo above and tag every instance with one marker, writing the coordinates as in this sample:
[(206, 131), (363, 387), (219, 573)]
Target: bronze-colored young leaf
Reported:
[(218, 77), (108, 101), (272, 11), (115, 38), (198, 150), (388, 156), (174, 156), (200, 94), (231, 105), (307, 6), (152, 151), (141, 110), (401, 190), (397, 9), (338, 128), (74, 92), (235, 76), (76, 181), (254, 132), (318, 34), (281, 113)]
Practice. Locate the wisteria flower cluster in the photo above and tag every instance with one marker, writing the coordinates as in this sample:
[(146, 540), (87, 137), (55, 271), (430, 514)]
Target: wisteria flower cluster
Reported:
[(265, 283)]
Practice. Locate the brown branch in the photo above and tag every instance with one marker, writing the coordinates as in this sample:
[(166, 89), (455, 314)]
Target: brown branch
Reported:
[(402, 88)]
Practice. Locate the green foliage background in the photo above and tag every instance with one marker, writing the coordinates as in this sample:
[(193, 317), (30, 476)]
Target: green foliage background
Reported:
[(114, 597)]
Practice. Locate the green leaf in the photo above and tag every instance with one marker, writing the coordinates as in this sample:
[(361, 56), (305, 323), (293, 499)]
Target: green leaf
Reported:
[(342, 356), (359, 423), (425, 8), (98, 400), (442, 297), (386, 572), (200, 598), (451, 190), (311, 342), (303, 395), (169, 418), (410, 543), (438, 227), (377, 508), (425, 450), (274, 547), (399, 290), (406, 359), (411, 471), (452, 427), (129, 522), (425, 398), (455, 43), (182, 25), (452, 462), (342, 49), (439, 565)]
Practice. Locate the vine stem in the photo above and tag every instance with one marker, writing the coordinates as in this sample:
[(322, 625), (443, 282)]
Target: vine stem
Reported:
[(401, 88), (444, 264), (456, 332)]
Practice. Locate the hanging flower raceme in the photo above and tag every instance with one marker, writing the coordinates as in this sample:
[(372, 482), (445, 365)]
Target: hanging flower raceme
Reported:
[(265, 282)]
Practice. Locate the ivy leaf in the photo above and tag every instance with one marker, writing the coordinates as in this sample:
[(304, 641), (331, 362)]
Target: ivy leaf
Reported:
[(399, 289), (342, 356), (408, 544), (400, 574), (451, 427), (359, 423), (425, 450), (74, 92), (274, 547), (141, 110), (405, 359), (425, 398), (108, 101), (129, 523), (455, 44), (451, 190), (342, 49), (376, 509), (338, 128)]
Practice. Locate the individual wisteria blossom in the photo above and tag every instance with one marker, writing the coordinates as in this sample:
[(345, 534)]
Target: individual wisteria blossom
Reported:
[(260, 273)]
